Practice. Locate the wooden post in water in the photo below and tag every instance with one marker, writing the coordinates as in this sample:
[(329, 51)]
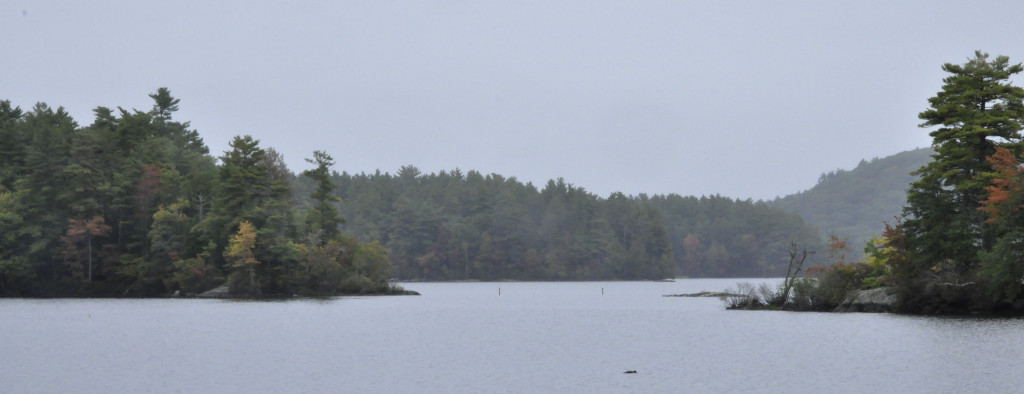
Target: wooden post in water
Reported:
[(602, 291), (499, 291)]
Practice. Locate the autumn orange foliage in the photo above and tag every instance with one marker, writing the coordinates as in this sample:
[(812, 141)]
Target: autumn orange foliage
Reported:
[(1006, 184)]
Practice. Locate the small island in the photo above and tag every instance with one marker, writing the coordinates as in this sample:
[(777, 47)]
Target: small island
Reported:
[(134, 205)]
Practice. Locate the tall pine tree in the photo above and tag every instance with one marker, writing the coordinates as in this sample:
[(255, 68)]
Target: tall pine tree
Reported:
[(977, 111)]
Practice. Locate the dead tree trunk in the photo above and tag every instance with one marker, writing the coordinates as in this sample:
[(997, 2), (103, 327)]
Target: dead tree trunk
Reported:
[(796, 263)]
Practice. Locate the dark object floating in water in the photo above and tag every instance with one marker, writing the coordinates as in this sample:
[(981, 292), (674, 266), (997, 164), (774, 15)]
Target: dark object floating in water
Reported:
[(630, 372)]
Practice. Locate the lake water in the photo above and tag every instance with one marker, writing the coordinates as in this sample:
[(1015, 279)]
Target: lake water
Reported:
[(465, 337)]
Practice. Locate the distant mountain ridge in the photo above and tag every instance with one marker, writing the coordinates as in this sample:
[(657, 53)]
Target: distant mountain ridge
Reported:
[(855, 204)]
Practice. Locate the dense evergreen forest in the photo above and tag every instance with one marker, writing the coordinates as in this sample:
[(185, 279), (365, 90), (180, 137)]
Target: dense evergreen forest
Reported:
[(134, 205), (452, 225), (852, 204)]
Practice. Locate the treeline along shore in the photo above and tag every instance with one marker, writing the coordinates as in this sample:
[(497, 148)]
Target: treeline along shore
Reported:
[(134, 204)]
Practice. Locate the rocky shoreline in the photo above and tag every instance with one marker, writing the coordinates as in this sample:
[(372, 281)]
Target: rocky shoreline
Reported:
[(875, 300), (878, 300)]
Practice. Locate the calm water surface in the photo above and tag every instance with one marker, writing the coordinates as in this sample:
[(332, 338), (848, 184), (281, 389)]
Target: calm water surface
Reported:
[(465, 337)]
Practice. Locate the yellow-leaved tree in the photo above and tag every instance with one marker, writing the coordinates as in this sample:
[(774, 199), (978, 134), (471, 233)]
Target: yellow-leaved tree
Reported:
[(239, 255)]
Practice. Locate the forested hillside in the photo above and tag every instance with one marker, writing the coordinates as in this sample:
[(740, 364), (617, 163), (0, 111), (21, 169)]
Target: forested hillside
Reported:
[(854, 204)]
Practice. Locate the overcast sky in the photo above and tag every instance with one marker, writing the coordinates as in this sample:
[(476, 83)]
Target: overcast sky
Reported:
[(747, 99)]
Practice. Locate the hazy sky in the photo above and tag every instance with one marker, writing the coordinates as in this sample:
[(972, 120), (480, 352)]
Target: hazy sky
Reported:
[(747, 99)]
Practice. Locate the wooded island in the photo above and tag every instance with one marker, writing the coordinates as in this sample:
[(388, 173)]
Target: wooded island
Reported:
[(134, 205)]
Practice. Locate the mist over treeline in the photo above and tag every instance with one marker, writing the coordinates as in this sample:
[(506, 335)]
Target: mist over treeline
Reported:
[(453, 225)]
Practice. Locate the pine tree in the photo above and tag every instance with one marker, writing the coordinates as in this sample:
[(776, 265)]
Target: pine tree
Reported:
[(324, 216), (977, 111)]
